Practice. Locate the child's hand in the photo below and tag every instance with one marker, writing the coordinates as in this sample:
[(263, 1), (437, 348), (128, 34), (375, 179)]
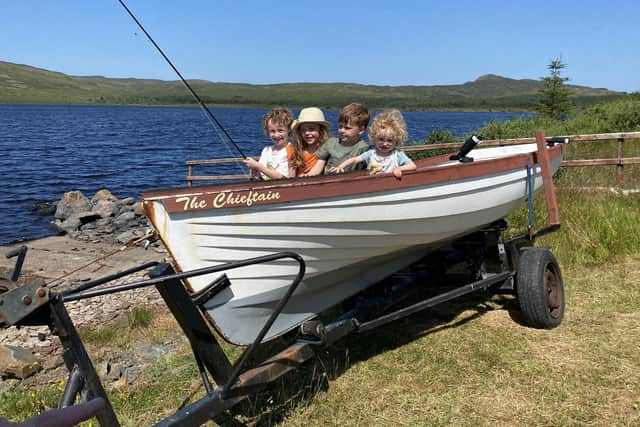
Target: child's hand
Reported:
[(340, 168), (397, 172), (251, 163)]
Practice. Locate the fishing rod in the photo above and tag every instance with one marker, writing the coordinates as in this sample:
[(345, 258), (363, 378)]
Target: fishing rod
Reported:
[(209, 114)]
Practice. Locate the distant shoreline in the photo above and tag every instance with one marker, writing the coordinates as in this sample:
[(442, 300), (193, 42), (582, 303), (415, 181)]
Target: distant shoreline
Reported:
[(335, 108)]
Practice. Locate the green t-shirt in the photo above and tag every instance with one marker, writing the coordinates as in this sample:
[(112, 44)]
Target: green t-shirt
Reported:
[(334, 152)]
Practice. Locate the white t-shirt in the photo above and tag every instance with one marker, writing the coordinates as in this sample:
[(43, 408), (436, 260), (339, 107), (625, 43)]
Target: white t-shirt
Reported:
[(382, 164), (275, 160)]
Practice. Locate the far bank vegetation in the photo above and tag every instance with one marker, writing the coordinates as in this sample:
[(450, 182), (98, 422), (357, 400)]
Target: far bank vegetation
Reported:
[(22, 84)]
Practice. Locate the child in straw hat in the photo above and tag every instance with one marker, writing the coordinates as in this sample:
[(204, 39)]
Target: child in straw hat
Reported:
[(311, 131), (273, 163)]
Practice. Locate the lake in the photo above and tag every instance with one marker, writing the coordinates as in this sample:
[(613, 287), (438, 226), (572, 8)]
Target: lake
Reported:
[(46, 150)]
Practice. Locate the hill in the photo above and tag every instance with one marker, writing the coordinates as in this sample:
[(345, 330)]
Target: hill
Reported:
[(25, 84)]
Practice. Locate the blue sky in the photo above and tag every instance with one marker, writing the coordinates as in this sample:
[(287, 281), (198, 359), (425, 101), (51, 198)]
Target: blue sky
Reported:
[(373, 42)]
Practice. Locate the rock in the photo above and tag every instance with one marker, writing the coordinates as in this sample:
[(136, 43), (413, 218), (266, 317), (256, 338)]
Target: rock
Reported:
[(43, 208), (116, 372), (103, 368), (125, 217), (104, 218), (149, 351), (137, 208), (88, 216), (7, 385), (125, 237), (17, 362), (103, 194), (70, 224), (127, 201), (53, 362), (105, 208), (72, 202), (132, 374)]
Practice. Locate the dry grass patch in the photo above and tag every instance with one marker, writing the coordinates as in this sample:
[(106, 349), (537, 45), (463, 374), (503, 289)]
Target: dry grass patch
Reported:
[(466, 363), (485, 369)]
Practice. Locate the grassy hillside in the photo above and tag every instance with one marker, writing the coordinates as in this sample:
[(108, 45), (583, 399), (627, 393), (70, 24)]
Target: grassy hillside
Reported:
[(25, 84)]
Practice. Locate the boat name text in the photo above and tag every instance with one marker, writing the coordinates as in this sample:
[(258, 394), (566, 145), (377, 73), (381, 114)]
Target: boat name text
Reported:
[(229, 199)]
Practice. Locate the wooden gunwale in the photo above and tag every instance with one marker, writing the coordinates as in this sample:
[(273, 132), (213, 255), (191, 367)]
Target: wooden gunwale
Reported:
[(311, 188)]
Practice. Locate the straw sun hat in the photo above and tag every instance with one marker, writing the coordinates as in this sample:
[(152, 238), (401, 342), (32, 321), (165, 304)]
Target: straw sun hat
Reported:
[(311, 115)]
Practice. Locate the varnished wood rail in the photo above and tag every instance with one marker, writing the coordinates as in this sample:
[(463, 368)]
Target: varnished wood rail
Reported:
[(619, 161)]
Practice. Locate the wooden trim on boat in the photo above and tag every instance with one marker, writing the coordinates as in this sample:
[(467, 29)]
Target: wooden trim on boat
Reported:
[(246, 194)]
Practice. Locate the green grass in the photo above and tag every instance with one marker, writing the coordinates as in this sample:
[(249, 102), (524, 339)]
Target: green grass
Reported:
[(140, 317), (596, 228), (466, 363)]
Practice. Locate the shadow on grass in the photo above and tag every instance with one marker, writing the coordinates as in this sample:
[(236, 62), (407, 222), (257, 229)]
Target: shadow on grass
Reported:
[(299, 388)]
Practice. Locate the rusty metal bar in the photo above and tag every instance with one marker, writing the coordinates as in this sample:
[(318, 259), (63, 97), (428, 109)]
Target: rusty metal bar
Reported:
[(75, 357), (239, 366), (203, 343), (547, 179)]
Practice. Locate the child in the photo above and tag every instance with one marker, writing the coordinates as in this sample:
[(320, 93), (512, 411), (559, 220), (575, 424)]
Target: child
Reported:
[(273, 163), (386, 133), (353, 121), (311, 132)]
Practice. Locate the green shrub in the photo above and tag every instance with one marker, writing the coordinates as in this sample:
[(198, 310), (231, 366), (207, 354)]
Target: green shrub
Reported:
[(140, 317), (622, 115)]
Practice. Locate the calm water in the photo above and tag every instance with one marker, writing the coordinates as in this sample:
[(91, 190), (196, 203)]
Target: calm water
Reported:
[(48, 150)]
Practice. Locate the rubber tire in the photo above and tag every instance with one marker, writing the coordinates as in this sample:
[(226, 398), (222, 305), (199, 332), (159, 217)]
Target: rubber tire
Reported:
[(540, 289)]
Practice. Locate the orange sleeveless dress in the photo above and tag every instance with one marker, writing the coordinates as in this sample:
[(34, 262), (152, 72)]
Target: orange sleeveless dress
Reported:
[(309, 160)]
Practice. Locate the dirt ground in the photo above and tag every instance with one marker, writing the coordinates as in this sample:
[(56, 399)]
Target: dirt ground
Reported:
[(53, 257)]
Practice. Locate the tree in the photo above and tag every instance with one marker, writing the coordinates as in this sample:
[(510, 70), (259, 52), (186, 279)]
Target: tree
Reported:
[(554, 97)]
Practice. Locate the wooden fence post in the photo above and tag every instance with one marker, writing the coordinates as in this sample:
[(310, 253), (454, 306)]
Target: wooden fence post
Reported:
[(620, 165)]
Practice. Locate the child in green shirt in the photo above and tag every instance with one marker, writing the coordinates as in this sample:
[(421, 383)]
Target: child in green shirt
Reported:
[(352, 123)]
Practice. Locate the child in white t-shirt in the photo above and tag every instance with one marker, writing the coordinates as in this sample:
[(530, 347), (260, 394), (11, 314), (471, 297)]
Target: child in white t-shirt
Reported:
[(273, 162), (386, 133)]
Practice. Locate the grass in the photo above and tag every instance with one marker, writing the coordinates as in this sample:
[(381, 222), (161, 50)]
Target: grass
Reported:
[(466, 363), (482, 368)]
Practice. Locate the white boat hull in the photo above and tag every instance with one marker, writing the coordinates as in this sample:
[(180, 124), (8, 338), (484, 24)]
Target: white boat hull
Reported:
[(348, 242)]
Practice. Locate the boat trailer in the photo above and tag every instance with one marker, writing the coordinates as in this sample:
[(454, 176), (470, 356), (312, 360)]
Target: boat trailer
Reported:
[(506, 266), (483, 257)]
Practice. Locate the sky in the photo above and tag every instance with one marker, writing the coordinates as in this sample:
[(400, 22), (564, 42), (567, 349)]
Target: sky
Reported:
[(392, 42)]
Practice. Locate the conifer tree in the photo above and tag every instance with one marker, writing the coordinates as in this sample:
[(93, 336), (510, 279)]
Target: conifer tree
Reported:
[(554, 97)]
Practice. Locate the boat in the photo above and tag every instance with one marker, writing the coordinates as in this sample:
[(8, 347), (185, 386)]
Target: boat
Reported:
[(352, 229)]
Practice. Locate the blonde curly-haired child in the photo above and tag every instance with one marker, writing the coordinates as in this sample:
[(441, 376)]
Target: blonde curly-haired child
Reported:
[(387, 132)]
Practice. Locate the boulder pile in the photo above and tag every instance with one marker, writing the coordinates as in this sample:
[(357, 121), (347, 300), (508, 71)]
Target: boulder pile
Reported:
[(101, 218)]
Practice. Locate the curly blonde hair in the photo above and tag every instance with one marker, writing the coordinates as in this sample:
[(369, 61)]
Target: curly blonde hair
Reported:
[(389, 122), (279, 116)]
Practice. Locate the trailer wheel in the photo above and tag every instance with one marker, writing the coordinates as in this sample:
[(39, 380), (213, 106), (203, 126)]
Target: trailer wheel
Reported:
[(539, 288)]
